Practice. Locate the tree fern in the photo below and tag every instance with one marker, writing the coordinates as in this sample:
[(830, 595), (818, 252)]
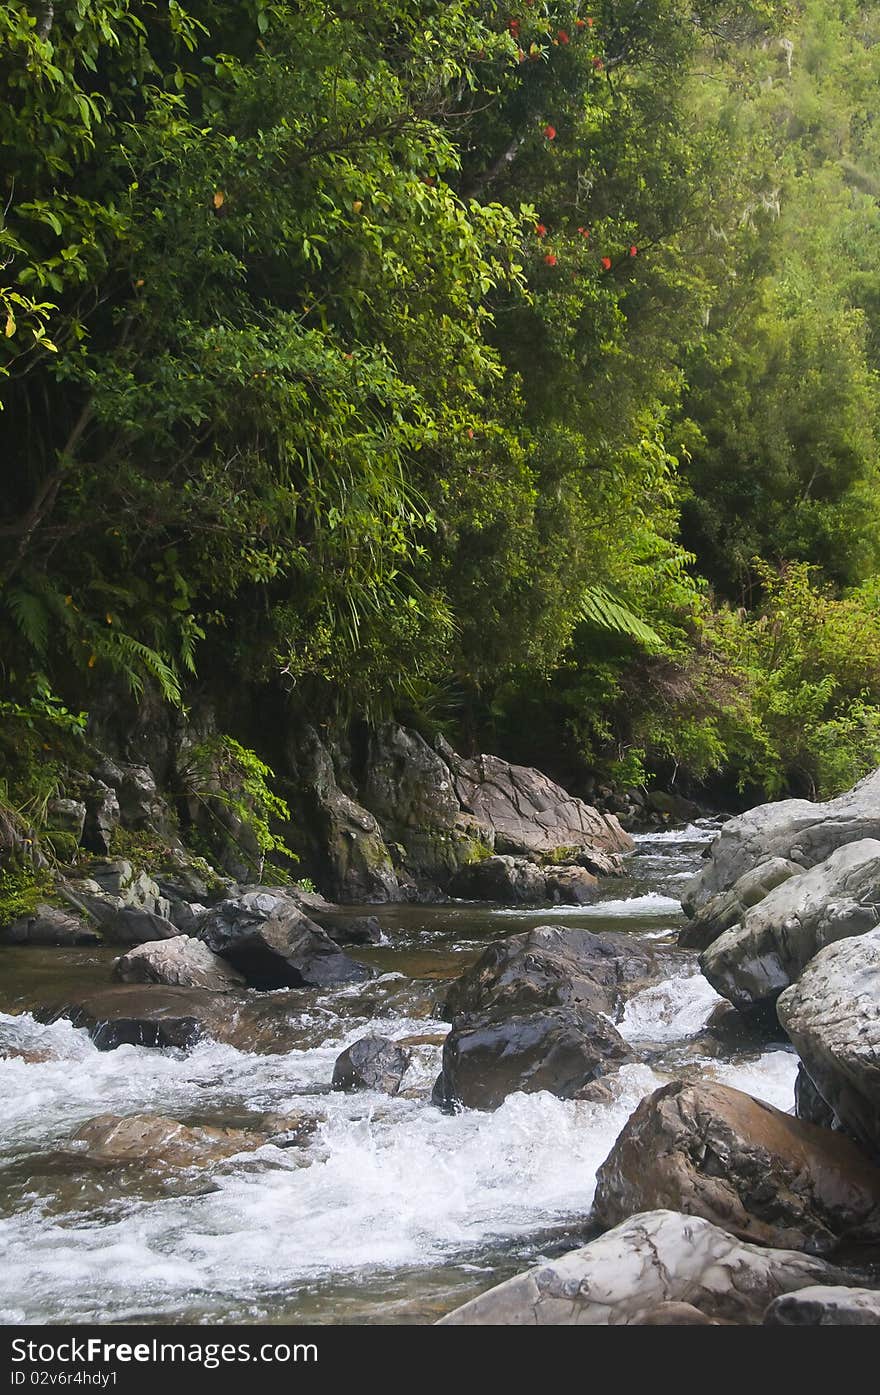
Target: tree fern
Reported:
[(602, 609)]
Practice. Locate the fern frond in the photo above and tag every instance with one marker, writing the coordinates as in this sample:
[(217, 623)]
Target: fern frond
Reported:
[(602, 609), (31, 618)]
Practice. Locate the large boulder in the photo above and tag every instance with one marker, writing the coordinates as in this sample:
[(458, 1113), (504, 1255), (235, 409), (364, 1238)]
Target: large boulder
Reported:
[(488, 1057), (728, 907), (153, 1015), (181, 962), (824, 1306), (373, 1063), (795, 829), (273, 944), (711, 1151), (46, 925), (508, 880), (832, 1015), (752, 963), (652, 1258), (552, 967)]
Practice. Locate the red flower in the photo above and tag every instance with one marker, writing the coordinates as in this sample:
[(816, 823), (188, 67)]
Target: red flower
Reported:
[(540, 229), (606, 262), (470, 433), (584, 232), (513, 25), (579, 24), (598, 64), (562, 36), (550, 259), (633, 251), (590, 22), (550, 132)]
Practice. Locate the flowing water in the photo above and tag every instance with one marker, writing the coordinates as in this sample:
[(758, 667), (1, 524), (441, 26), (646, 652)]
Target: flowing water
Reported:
[(392, 1212)]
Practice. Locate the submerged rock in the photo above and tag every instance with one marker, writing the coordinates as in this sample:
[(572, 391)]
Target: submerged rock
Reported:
[(707, 1150), (180, 962), (832, 1015), (822, 1306), (269, 940), (754, 962), (795, 829), (373, 1063), (154, 1140), (488, 1057), (552, 967), (652, 1258)]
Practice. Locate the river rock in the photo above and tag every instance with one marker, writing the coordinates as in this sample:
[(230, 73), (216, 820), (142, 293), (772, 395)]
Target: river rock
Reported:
[(832, 1015), (349, 929), (552, 967), (652, 1258), (508, 880), (181, 962), (809, 1104), (752, 963), (707, 1150), (570, 885), (728, 907), (46, 925), (154, 1140), (273, 944), (154, 1015), (795, 829), (824, 1306), (373, 1063), (488, 1057)]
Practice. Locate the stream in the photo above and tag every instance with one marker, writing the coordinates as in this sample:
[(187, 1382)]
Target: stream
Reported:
[(392, 1212)]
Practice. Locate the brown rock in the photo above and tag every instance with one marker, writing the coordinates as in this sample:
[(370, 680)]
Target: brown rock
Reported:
[(707, 1150), (153, 1139)]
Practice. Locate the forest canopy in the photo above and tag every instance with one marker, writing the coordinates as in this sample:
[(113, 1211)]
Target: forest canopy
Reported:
[(509, 369)]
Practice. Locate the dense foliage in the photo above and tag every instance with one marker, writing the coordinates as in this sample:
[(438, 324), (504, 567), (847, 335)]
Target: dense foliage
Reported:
[(510, 367)]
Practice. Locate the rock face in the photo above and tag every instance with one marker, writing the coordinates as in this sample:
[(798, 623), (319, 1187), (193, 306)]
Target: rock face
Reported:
[(728, 907), (552, 967), (269, 940), (154, 1140), (752, 963), (488, 1057), (181, 962), (653, 1258), (707, 1150), (794, 829), (809, 1104), (517, 880), (49, 926), (128, 1014), (373, 1063), (352, 858), (832, 1015), (822, 1306)]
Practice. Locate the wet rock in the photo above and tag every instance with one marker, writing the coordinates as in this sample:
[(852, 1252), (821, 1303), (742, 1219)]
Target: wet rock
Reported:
[(488, 1057), (349, 929), (508, 880), (824, 1306), (728, 907), (180, 962), (752, 963), (49, 926), (707, 1150), (129, 925), (156, 1015), (653, 1258), (795, 829), (290, 1129), (832, 1015), (672, 1315), (373, 1063), (154, 1140), (274, 945), (570, 886), (552, 967), (809, 1104)]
